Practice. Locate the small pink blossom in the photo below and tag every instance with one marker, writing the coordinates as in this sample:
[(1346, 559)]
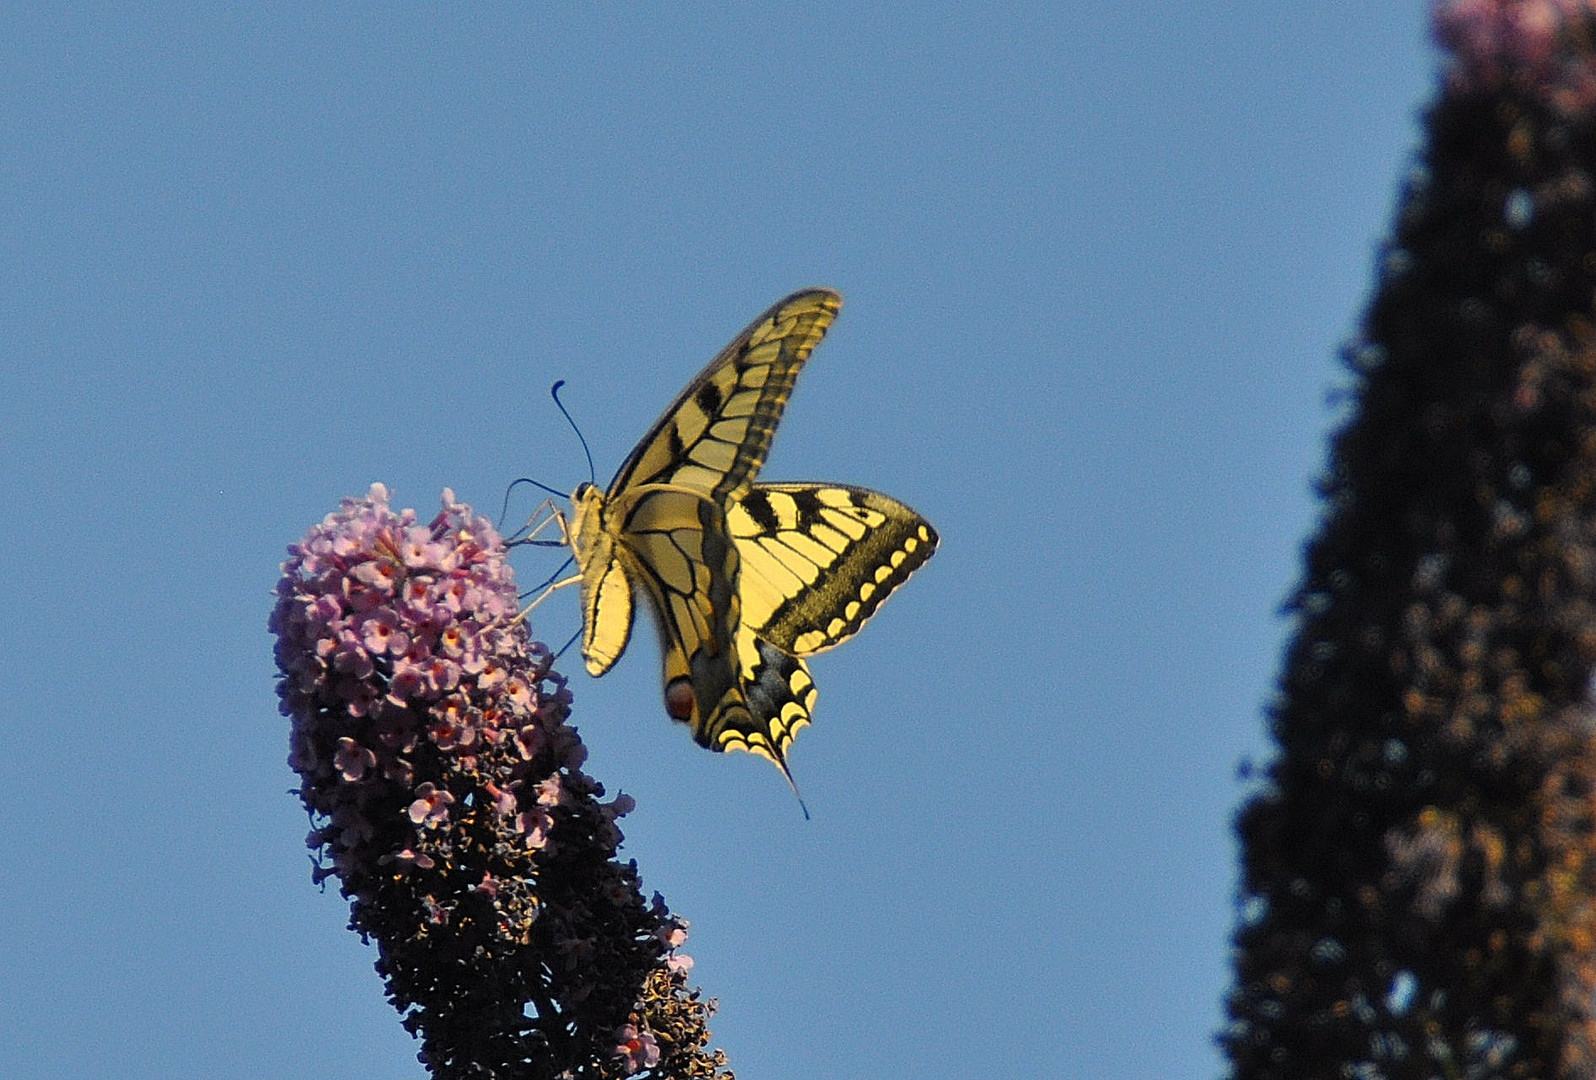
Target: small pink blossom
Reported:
[(442, 675), (380, 634), (456, 595), (420, 551), (455, 726), (517, 690), (476, 663), (551, 791), (418, 593), (379, 575), (638, 1049), (535, 824), (452, 641), (431, 806), (351, 658), (529, 740), (353, 761), (410, 858), (325, 609), (503, 801), (409, 681)]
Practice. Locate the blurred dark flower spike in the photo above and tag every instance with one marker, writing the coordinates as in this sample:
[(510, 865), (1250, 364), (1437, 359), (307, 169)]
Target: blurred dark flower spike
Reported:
[(1419, 888), (447, 798)]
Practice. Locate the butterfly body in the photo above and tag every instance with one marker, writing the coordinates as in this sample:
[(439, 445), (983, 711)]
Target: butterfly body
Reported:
[(743, 579)]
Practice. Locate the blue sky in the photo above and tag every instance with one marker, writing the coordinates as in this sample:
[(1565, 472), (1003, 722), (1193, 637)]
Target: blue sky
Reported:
[(1097, 259)]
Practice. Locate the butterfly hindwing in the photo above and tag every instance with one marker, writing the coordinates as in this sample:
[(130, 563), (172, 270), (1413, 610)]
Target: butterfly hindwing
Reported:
[(731, 689), (780, 696), (819, 559)]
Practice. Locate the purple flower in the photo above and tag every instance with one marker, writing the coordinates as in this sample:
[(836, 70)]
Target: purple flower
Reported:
[(420, 552), (442, 675), (408, 858), (673, 933), (1541, 47), (551, 792), (380, 633), (456, 726), (353, 760), (637, 1049), (431, 806), (448, 799), (378, 576), (536, 824), (504, 802)]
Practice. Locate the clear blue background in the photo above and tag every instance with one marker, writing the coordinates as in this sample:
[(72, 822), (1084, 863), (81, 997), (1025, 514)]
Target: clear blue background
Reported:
[(1098, 259)]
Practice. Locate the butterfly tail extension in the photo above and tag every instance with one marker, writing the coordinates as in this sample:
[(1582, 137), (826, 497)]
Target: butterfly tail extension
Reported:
[(780, 696)]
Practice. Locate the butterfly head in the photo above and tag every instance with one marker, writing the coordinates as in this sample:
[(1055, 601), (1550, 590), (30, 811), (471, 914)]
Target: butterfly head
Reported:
[(587, 505)]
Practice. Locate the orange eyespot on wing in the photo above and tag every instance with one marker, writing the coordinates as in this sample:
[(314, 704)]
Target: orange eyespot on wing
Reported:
[(679, 699)]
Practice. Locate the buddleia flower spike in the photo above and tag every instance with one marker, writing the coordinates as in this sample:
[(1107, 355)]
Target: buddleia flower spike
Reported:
[(449, 802)]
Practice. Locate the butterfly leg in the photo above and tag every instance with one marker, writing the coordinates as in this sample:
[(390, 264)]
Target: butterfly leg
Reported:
[(544, 595), (555, 515), (543, 515)]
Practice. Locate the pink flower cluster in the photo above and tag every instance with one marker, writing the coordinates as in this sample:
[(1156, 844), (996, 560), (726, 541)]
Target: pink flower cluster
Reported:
[(399, 647), (1541, 47), (447, 797)]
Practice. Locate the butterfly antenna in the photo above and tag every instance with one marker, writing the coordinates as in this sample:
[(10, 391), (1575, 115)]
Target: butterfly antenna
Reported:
[(504, 510), (554, 392)]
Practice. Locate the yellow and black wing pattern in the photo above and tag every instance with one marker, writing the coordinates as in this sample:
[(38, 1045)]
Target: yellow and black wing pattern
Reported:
[(715, 435), (818, 559), (744, 579)]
